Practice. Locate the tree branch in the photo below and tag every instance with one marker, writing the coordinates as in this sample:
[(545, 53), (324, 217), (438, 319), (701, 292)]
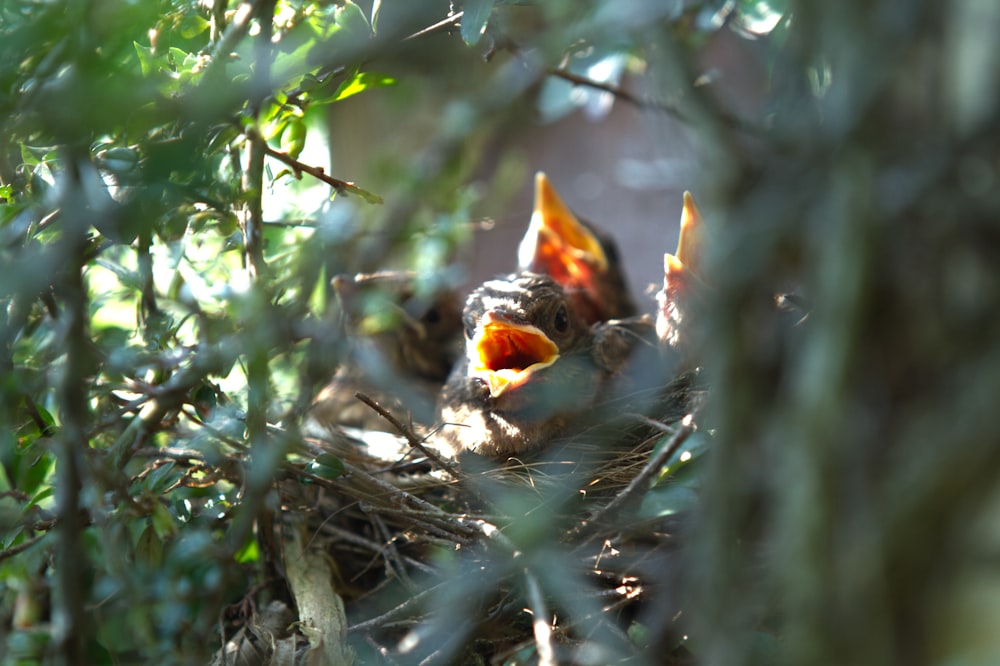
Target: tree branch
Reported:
[(299, 168), (648, 104), (641, 480), (411, 438)]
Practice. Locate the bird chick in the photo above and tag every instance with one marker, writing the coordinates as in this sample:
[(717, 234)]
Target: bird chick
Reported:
[(529, 365), (402, 347), (583, 260), (683, 287)]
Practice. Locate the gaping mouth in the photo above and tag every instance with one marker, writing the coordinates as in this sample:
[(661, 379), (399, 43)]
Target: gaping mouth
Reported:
[(557, 243), (505, 354), (689, 241)]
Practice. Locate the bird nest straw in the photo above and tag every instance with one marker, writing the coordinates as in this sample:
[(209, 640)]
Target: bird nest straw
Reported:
[(551, 558)]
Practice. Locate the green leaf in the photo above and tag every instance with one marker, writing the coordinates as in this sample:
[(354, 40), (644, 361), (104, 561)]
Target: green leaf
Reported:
[(293, 139), (193, 25), (474, 20), (352, 20), (149, 548), (43, 494), (370, 197), (9, 211), (319, 298), (667, 500), (147, 61), (695, 446), (360, 82), (28, 156), (31, 470), (161, 478), (248, 553), (327, 466), (163, 522)]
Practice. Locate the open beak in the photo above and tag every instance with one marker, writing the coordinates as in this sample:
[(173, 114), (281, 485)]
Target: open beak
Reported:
[(689, 243), (690, 239), (505, 354), (557, 243), (682, 281)]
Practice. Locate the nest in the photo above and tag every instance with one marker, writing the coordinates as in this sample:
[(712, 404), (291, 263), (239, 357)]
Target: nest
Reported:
[(426, 560)]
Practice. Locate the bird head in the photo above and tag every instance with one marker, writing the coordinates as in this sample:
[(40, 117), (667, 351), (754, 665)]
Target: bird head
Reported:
[(517, 327), (415, 327)]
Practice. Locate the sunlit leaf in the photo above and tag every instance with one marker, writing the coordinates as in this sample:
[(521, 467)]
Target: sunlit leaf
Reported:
[(193, 25), (249, 553), (319, 297), (293, 139), (43, 494), (360, 82), (149, 62), (370, 197)]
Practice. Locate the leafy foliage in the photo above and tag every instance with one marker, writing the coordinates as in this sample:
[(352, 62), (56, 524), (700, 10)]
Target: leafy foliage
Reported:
[(169, 230)]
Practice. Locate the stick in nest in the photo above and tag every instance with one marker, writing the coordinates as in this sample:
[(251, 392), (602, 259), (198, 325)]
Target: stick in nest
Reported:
[(410, 436), (589, 527)]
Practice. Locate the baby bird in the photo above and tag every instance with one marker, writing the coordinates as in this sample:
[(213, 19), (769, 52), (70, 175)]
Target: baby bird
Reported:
[(402, 347), (583, 260), (529, 365), (683, 287)]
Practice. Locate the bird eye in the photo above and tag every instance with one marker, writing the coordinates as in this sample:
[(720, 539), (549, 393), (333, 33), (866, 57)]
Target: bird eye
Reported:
[(470, 327), (561, 321)]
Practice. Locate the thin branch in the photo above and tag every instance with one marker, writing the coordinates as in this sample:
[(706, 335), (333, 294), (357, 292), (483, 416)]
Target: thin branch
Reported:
[(444, 24), (736, 122), (652, 423), (21, 547), (411, 438), (392, 614), (299, 168), (356, 539), (230, 37), (641, 481), (68, 611), (617, 91), (390, 554), (540, 625), (262, 446)]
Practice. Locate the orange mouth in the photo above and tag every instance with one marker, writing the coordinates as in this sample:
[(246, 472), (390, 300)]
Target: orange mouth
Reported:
[(505, 354)]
